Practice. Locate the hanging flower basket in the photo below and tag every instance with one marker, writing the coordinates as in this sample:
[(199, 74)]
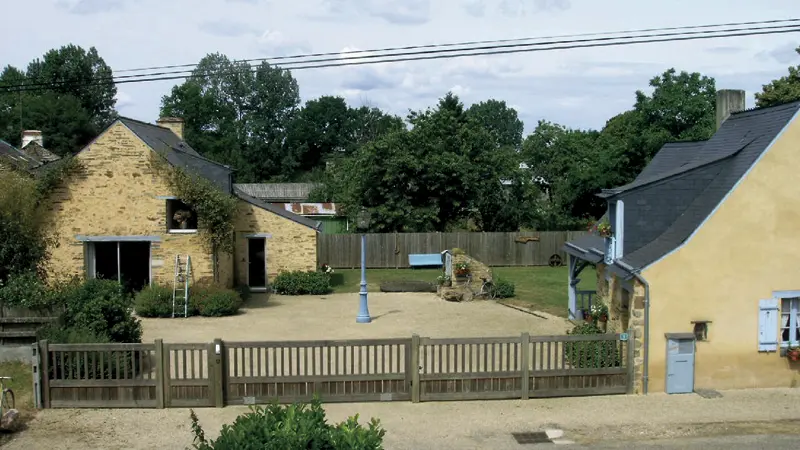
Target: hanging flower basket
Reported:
[(461, 269), (793, 354)]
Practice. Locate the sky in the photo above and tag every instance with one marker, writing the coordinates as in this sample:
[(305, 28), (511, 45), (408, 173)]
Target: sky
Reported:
[(580, 88)]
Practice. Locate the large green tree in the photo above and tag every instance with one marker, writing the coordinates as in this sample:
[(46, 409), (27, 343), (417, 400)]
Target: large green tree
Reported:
[(783, 90), (500, 120), (62, 95), (238, 114)]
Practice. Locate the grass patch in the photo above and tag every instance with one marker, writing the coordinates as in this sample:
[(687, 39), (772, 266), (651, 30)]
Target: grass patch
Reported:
[(22, 385), (538, 288)]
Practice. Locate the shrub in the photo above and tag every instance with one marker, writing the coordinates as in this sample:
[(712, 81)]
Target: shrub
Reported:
[(591, 354), (302, 283), (154, 301), (27, 291), (112, 365), (101, 307), (214, 301), (291, 427), (502, 288)]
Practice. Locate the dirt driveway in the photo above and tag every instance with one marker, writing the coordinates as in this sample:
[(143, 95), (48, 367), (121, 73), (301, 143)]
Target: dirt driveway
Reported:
[(280, 318)]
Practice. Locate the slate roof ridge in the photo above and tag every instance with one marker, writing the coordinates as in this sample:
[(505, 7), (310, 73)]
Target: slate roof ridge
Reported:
[(758, 110)]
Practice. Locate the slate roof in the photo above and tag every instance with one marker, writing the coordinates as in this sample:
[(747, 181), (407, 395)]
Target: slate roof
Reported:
[(34, 150), (278, 192), (20, 160), (178, 153), (685, 182)]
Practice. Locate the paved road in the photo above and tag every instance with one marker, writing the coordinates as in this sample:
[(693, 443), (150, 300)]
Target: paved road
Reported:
[(752, 442)]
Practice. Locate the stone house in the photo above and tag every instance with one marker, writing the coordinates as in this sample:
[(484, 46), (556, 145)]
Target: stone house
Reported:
[(701, 263), (30, 157), (294, 197), (116, 217)]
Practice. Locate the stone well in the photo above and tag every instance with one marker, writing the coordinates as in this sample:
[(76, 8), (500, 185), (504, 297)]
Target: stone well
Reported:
[(461, 289)]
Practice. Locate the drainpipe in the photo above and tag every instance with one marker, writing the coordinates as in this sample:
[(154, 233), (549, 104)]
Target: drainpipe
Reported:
[(646, 358)]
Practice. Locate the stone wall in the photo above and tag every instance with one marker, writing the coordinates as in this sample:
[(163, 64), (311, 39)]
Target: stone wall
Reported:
[(292, 246), (637, 337), (460, 289)]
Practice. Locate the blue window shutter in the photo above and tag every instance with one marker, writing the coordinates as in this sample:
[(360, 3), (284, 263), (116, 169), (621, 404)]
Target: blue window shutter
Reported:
[(768, 312)]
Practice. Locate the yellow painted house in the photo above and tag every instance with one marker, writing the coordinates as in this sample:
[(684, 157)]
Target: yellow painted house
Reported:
[(703, 263), (116, 218)]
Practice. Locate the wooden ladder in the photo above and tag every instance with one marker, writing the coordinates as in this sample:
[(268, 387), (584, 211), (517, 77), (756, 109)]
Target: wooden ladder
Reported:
[(180, 287)]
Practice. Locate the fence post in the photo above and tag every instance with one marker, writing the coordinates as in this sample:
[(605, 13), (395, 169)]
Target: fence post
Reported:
[(414, 368), (160, 373), (36, 364), (631, 365), (524, 343), (44, 356), (216, 373)]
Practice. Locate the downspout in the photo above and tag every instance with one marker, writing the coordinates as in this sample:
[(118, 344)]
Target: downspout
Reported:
[(646, 357)]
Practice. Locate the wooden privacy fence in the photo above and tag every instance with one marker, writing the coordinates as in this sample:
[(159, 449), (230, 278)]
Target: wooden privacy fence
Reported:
[(391, 250), (418, 369)]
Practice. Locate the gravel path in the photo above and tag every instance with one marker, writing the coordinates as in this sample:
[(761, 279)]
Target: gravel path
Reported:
[(334, 317), (459, 425)]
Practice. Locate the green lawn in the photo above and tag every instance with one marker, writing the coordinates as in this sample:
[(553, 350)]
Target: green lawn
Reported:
[(538, 288)]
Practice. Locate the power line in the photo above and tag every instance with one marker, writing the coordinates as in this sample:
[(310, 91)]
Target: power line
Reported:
[(459, 44), (494, 50)]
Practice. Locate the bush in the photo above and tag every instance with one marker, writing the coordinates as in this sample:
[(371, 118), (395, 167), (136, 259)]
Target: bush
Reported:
[(291, 427), (112, 365), (27, 291), (102, 308), (214, 301), (302, 283), (154, 301), (503, 289), (591, 354)]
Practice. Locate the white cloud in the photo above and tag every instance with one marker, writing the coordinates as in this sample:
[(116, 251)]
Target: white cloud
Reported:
[(124, 100), (275, 43)]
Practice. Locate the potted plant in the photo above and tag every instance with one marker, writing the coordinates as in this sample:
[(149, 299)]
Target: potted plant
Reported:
[(604, 228), (461, 269), (444, 280), (182, 217), (600, 314), (793, 353)]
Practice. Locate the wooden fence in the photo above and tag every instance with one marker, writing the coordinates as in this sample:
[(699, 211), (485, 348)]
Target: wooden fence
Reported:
[(391, 250), (418, 369), (19, 325)]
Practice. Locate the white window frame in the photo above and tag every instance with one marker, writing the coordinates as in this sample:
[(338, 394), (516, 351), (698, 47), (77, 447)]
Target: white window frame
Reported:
[(171, 230), (790, 309)]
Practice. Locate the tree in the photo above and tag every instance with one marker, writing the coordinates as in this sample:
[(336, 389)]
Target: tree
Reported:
[(322, 128), (783, 90), (431, 177), (67, 103), (237, 114), (82, 74), (503, 122)]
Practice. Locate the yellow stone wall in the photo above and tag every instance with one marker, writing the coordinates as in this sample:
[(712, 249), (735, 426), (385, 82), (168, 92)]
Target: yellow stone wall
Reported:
[(291, 246), (116, 195)]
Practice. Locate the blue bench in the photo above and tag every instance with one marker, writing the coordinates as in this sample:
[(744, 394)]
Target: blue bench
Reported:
[(425, 260)]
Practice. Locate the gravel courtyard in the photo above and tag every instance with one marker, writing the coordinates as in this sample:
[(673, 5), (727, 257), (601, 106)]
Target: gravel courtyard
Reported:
[(333, 317)]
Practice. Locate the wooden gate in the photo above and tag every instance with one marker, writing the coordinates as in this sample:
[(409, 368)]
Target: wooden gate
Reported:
[(188, 382), (336, 371)]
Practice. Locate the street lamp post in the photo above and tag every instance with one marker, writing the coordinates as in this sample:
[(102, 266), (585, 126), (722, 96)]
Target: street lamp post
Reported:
[(363, 308)]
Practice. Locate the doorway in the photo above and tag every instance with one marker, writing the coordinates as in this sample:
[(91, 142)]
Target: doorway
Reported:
[(127, 262), (257, 263), (680, 363)]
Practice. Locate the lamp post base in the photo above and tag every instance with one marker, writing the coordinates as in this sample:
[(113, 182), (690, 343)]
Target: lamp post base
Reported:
[(363, 308)]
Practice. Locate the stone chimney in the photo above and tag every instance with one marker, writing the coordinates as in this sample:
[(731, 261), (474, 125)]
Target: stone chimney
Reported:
[(29, 136), (729, 101), (173, 123)]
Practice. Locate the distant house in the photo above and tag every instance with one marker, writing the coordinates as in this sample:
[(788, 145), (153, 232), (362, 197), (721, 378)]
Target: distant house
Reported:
[(31, 156), (293, 197), (702, 259)]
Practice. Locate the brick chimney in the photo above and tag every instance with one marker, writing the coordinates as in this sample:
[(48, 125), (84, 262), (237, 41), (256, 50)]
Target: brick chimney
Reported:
[(29, 136), (173, 123), (729, 101)]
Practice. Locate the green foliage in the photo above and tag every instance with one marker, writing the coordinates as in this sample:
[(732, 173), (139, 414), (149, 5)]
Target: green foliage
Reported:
[(113, 365), (102, 308), (783, 90), (214, 301), (290, 427), (215, 209), (23, 238), (154, 301), (26, 290), (302, 283), (591, 354), (55, 174), (503, 288), (70, 109)]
